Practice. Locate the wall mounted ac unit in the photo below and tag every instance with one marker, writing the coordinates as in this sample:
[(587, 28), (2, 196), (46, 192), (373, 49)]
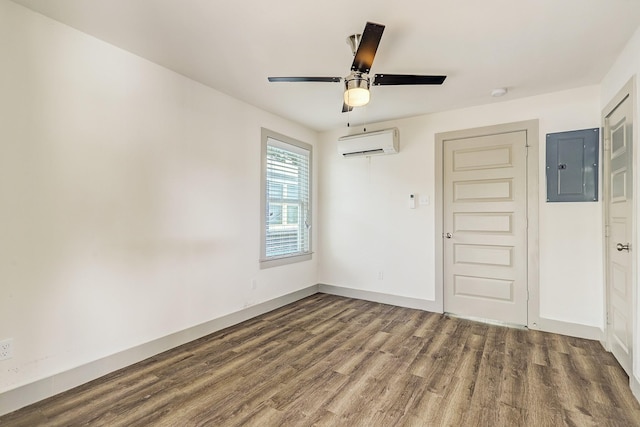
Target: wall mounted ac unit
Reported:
[(370, 143)]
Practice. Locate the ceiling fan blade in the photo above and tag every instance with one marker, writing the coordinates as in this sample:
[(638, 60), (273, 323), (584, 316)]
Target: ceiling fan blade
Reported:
[(305, 79), (346, 108), (367, 48), (406, 79)]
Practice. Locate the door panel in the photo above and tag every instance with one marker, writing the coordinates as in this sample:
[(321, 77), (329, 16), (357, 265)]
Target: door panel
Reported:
[(483, 222), (483, 158), (485, 257), (618, 187), (487, 190), (484, 288)]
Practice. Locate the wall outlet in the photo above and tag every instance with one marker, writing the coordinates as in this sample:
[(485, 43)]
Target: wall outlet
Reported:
[(6, 349)]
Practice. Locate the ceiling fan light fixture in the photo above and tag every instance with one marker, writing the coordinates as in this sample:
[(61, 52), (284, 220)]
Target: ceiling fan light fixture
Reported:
[(356, 92)]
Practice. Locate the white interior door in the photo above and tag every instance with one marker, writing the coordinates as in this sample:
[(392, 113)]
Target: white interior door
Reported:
[(485, 227), (618, 193)]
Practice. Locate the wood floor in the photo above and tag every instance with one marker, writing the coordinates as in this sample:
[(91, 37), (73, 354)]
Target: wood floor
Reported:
[(333, 361)]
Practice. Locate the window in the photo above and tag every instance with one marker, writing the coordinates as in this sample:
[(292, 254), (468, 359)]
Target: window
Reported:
[(286, 200)]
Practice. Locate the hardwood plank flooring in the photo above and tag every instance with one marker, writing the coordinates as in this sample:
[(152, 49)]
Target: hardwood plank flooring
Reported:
[(334, 361)]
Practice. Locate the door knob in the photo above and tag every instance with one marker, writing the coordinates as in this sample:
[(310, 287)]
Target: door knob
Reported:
[(620, 247), (448, 235)]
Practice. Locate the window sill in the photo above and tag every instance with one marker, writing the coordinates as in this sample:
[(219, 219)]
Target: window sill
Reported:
[(289, 259)]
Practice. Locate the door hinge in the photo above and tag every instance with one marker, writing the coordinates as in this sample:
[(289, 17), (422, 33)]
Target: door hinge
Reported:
[(606, 231), (608, 318)]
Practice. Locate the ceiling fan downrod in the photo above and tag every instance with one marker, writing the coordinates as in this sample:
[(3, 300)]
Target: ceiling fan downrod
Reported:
[(354, 41)]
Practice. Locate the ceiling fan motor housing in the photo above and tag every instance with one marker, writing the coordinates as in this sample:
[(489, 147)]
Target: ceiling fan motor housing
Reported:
[(356, 92)]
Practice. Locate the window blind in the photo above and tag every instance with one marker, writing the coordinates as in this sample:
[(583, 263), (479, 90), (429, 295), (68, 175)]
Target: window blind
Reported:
[(288, 210)]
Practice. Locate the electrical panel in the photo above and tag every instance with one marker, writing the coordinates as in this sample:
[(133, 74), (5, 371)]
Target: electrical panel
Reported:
[(572, 166)]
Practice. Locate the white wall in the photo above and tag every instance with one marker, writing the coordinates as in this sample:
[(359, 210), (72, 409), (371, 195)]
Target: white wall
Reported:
[(367, 227), (129, 200), (118, 177), (627, 66)]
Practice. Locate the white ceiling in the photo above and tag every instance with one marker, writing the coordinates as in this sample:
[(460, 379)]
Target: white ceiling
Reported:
[(528, 46)]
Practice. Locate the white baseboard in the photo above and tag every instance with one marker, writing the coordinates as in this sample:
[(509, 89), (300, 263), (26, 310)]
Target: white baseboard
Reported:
[(33, 392), (380, 297), (570, 329), (22, 396), (634, 384)]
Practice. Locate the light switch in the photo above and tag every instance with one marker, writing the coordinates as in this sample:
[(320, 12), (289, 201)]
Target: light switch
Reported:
[(424, 200)]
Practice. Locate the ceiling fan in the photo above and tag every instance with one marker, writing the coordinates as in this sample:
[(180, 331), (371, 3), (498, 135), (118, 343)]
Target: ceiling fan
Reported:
[(358, 82)]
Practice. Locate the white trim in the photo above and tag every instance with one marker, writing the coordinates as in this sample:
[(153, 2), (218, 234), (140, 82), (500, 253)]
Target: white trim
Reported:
[(438, 202), (627, 91), (400, 301), (285, 260), (271, 138), (27, 394), (634, 384), (570, 329), (487, 321), (545, 325), (533, 268)]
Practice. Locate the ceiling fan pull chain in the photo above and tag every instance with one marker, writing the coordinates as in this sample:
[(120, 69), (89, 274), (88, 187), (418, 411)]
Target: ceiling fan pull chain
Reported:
[(364, 121)]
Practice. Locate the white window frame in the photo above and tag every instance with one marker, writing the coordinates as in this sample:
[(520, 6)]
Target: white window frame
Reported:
[(269, 137)]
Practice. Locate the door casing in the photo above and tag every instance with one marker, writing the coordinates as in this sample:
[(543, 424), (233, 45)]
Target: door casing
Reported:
[(627, 91), (531, 128)]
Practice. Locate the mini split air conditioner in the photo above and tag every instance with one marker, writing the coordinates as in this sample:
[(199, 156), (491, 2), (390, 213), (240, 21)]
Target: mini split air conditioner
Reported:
[(369, 143)]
